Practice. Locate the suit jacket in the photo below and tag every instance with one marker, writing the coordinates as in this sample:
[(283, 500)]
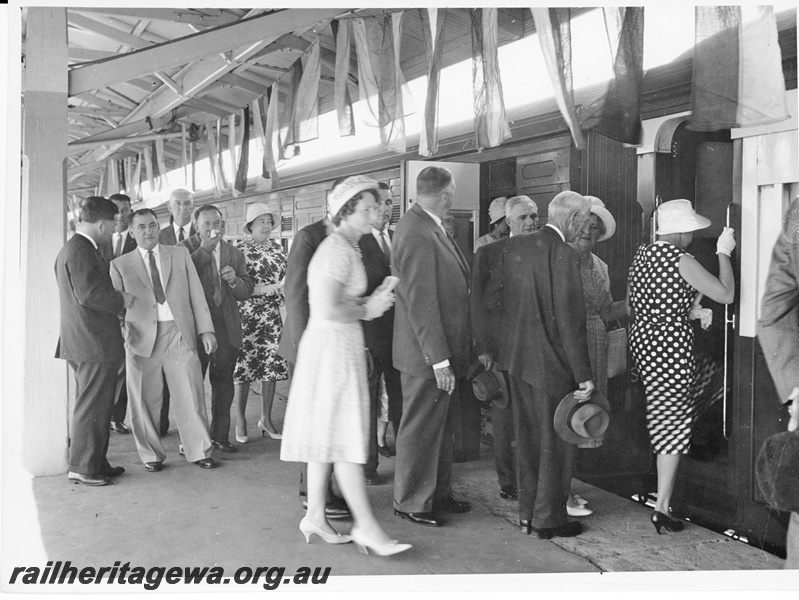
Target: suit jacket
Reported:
[(778, 327), (231, 296), (167, 235), (544, 338), (89, 329), (486, 308), (431, 319), (378, 333), (107, 250), (295, 289), (183, 291)]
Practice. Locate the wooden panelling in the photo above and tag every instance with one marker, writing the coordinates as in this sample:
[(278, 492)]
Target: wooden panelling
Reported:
[(544, 173)]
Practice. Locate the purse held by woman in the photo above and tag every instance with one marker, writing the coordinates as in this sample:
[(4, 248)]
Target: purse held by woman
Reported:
[(617, 352)]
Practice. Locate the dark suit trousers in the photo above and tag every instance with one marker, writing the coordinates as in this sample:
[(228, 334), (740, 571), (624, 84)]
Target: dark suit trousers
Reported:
[(121, 396), (91, 415), (164, 421), (424, 445), (502, 431), (394, 390), (222, 363), (544, 460)]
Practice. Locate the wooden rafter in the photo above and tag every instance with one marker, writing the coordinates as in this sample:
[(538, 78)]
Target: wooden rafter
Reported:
[(107, 31), (208, 17), (85, 54)]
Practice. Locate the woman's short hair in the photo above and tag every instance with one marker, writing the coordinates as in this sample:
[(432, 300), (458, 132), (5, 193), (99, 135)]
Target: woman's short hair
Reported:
[(349, 206)]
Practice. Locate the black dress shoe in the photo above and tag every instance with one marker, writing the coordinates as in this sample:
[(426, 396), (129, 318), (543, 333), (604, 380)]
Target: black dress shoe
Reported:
[(452, 506), (206, 463), (113, 472), (93, 480), (525, 526), (422, 518), (154, 467), (119, 427), (385, 451), (508, 492), (569, 529), (371, 478), (225, 447)]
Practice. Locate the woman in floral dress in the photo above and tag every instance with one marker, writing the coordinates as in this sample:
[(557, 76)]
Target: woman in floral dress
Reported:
[(260, 321)]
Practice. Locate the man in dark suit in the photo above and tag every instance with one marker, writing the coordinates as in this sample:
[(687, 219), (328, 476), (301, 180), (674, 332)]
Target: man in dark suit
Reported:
[(181, 227), (778, 332), (521, 215), (90, 339), (223, 272), (432, 349), (379, 333), (122, 242), (545, 351)]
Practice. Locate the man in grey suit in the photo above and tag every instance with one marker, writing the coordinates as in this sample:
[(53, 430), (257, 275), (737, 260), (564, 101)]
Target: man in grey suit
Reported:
[(161, 333), (432, 349)]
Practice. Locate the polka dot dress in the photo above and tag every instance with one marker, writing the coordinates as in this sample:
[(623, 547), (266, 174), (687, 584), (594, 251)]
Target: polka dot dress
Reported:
[(661, 342)]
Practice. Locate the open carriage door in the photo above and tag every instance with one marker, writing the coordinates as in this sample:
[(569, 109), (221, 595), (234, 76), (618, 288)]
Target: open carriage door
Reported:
[(466, 206)]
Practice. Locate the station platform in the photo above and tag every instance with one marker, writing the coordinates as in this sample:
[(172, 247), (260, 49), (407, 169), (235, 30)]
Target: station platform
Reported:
[(246, 513)]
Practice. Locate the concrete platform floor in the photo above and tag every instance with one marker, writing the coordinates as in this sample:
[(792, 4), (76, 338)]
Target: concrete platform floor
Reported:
[(246, 513)]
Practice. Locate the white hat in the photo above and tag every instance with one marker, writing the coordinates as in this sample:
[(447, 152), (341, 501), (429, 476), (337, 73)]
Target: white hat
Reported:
[(598, 209), (253, 212), (496, 210), (678, 216), (348, 189)]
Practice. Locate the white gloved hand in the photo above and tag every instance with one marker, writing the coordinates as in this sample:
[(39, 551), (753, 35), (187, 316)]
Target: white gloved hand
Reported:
[(726, 241), (705, 316), (378, 303)]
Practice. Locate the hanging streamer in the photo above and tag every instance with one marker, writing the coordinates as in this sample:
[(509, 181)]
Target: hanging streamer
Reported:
[(490, 121), (343, 101)]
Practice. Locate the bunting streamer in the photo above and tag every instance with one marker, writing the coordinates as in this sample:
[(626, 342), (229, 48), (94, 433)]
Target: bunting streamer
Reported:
[(738, 79), (271, 137), (367, 80), (433, 24), (288, 147), (342, 99), (490, 121), (621, 115), (554, 34), (148, 166), (120, 165), (244, 154), (193, 159), (220, 162), (163, 180), (137, 179), (258, 117), (213, 161), (305, 113), (183, 153), (232, 154)]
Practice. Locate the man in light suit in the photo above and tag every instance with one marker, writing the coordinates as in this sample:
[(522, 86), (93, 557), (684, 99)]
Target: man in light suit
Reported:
[(161, 333), (545, 352), (521, 215), (90, 340), (223, 272), (432, 349), (379, 333), (181, 227), (778, 332)]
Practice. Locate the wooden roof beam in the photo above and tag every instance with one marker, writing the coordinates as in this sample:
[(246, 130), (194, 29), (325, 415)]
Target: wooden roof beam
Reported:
[(85, 54), (208, 17), (262, 28), (208, 107), (112, 33)]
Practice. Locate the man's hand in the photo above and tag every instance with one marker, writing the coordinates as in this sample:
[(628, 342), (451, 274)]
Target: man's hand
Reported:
[(487, 360), (445, 379), (793, 410), (228, 274), (209, 342), (127, 299), (584, 393), (210, 243)]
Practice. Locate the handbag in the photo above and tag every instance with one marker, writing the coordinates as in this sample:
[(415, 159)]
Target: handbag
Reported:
[(617, 352)]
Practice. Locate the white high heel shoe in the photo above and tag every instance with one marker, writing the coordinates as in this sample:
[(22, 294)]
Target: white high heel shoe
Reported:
[(264, 430), (388, 549), (309, 528), (578, 511)]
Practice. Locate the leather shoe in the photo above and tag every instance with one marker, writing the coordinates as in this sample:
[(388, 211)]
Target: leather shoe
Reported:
[(371, 478), (422, 518), (113, 472), (525, 526), (206, 463), (94, 480), (385, 451), (508, 492), (119, 427), (452, 506), (154, 467), (224, 447), (569, 529)]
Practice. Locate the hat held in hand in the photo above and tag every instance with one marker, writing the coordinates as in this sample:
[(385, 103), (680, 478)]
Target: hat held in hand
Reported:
[(580, 422), (492, 386), (777, 470)]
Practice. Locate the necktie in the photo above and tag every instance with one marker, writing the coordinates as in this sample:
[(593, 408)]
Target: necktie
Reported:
[(156, 276), (118, 247), (217, 281), (384, 245), (181, 235)]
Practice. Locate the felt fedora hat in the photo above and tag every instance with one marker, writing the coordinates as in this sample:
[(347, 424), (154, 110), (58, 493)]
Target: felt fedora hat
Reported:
[(492, 386), (580, 422), (777, 470)]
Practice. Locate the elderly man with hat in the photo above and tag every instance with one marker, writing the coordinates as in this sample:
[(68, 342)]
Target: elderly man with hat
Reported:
[(223, 273), (778, 332), (521, 215), (260, 319), (498, 226)]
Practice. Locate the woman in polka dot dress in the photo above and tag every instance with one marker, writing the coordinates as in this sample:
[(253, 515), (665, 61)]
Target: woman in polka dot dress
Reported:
[(664, 281)]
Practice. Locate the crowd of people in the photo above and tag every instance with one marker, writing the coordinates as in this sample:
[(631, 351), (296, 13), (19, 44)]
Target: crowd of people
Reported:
[(381, 326)]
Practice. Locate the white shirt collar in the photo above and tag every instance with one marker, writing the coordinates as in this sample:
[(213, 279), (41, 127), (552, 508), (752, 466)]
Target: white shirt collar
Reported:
[(123, 233), (186, 229), (88, 237), (155, 252), (560, 233)]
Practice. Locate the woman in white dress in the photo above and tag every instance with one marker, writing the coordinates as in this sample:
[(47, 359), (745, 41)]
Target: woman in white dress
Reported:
[(327, 416)]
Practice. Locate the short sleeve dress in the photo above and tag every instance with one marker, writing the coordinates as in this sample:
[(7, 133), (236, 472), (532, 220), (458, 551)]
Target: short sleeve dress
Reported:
[(327, 415), (661, 341), (260, 316)]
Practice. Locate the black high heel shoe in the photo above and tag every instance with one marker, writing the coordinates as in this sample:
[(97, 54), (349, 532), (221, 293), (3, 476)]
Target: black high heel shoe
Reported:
[(660, 520)]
